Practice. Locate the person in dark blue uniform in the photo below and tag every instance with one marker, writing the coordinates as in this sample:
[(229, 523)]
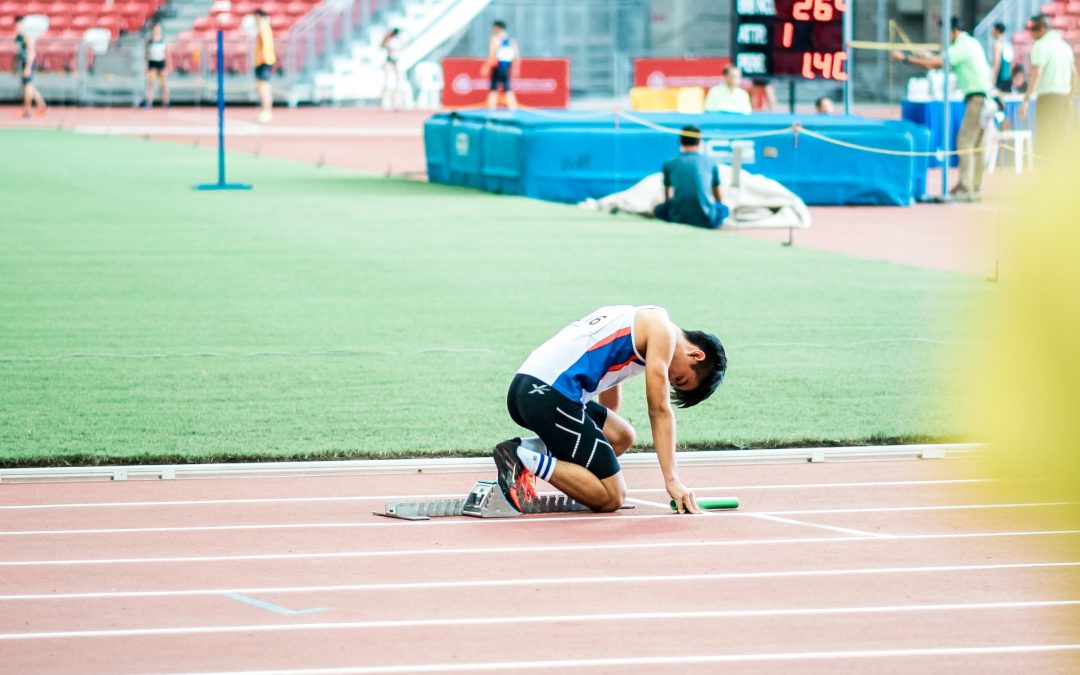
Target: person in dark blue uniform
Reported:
[(502, 63)]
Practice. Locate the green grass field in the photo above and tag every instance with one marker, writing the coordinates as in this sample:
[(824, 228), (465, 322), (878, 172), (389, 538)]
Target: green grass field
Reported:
[(331, 314)]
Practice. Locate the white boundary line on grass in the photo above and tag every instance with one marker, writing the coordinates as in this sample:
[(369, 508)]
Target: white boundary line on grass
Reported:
[(395, 466), (547, 581), (543, 619), (538, 518), (533, 550), (563, 664), (237, 128), (363, 498)]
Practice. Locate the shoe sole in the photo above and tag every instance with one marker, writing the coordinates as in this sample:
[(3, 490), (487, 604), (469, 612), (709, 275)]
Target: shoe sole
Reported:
[(509, 470)]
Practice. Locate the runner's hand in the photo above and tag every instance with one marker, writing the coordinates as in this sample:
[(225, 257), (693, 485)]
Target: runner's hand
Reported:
[(684, 498)]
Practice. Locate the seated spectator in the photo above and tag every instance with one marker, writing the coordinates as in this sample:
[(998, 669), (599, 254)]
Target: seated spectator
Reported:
[(762, 94), (1018, 79), (691, 186), (728, 96), (824, 106)]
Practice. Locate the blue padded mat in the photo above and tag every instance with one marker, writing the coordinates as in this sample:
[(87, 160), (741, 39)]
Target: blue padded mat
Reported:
[(566, 157)]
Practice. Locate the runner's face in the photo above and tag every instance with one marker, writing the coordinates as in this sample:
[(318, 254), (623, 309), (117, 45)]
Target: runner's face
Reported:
[(681, 373)]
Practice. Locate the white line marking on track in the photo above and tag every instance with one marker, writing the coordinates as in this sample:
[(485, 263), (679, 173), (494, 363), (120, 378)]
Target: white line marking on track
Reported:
[(534, 550), (645, 502), (549, 581), (360, 498), (562, 664), (943, 507), (833, 528), (561, 618), (531, 519)]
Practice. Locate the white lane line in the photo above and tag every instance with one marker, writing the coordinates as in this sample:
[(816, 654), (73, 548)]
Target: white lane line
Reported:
[(562, 664), (549, 581), (531, 519), (561, 618), (832, 528), (533, 550), (360, 498), (645, 502), (943, 507)]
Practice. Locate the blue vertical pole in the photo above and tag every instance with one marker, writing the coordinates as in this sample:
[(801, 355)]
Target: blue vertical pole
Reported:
[(221, 184), (221, 106)]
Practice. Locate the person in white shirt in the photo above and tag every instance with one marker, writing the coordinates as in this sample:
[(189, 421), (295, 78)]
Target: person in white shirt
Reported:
[(728, 96)]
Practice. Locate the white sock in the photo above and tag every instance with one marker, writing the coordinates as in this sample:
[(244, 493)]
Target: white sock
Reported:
[(535, 444), (541, 465)]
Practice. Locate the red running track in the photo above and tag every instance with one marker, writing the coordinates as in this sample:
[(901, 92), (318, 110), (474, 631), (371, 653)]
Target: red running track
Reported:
[(890, 566)]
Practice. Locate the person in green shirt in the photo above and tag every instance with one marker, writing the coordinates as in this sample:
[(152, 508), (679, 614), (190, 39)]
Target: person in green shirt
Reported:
[(967, 60), (1053, 72)]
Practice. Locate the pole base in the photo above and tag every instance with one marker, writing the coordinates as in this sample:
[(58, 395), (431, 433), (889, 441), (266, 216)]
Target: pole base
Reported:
[(223, 186)]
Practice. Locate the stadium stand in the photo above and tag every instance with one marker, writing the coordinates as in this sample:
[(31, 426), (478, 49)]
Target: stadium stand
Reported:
[(67, 22), (190, 46)]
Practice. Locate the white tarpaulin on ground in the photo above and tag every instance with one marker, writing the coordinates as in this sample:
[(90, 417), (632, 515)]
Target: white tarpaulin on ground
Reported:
[(756, 201)]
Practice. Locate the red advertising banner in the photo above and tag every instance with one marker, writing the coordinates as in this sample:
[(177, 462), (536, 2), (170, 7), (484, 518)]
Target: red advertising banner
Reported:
[(658, 73), (543, 83)]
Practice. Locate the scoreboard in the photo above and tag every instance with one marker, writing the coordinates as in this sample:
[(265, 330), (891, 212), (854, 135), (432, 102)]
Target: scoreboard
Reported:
[(790, 38)]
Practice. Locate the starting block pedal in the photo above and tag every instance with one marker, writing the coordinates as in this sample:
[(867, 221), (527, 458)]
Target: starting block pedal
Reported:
[(485, 500)]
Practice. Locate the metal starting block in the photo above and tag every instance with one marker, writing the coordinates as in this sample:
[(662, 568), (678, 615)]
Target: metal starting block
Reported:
[(485, 500)]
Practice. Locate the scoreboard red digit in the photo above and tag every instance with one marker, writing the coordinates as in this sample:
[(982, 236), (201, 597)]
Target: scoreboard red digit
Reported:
[(790, 38)]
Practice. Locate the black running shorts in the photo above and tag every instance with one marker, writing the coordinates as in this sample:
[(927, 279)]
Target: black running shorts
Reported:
[(500, 77), (571, 431)]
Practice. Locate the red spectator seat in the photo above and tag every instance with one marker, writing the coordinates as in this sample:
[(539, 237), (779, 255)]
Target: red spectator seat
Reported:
[(56, 54), (35, 8), (297, 9), (1052, 8), (108, 22), (1062, 22), (58, 23), (82, 22), (277, 21), (7, 56)]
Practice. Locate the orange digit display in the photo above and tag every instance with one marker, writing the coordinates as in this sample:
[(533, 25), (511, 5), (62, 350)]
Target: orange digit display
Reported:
[(790, 38)]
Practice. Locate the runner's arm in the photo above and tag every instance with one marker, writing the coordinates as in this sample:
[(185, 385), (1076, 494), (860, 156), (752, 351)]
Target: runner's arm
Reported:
[(660, 347)]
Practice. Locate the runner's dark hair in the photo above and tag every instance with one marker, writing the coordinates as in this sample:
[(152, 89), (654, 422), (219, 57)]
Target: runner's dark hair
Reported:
[(710, 371)]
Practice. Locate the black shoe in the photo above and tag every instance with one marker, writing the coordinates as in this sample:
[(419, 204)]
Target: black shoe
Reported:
[(509, 468)]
